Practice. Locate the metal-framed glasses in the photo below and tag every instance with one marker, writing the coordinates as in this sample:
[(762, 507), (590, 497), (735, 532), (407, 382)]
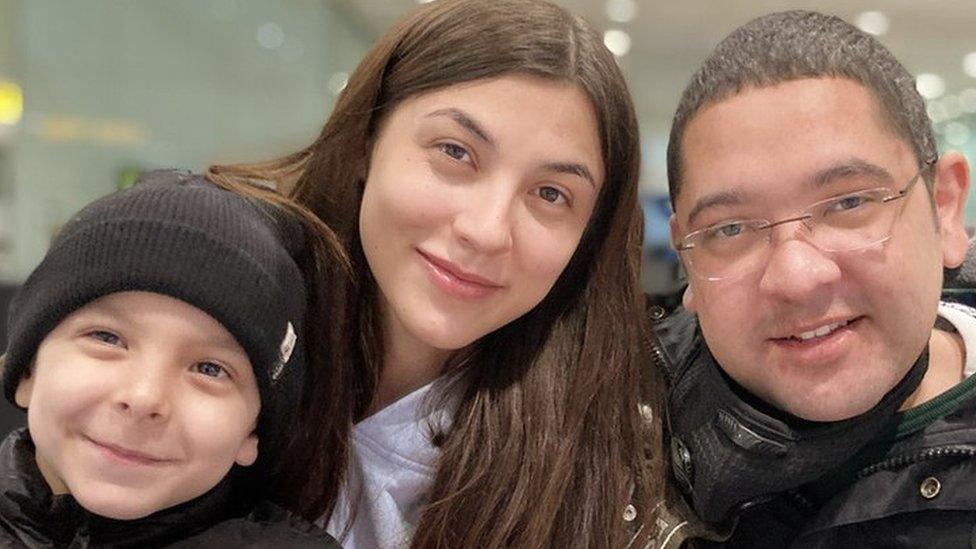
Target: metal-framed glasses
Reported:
[(844, 223)]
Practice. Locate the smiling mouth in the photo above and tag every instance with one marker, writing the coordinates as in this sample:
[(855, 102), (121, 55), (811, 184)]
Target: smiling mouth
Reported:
[(457, 273), (126, 455), (818, 333), (454, 281), (821, 331)]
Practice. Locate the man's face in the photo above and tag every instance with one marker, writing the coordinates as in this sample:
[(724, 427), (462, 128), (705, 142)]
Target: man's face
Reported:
[(769, 153), (138, 402)]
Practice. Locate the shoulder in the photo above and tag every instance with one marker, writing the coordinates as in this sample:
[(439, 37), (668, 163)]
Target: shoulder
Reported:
[(266, 526)]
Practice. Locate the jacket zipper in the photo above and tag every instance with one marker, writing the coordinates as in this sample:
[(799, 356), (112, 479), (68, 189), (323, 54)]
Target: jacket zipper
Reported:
[(902, 461), (657, 353)]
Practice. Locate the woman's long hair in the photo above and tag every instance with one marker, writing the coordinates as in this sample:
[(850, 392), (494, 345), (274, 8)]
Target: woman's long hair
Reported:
[(547, 446)]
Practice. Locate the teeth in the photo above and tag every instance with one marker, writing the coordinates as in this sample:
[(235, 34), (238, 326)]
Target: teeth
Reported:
[(821, 331)]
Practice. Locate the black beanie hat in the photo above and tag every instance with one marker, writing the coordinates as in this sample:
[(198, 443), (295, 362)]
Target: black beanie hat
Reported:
[(179, 235)]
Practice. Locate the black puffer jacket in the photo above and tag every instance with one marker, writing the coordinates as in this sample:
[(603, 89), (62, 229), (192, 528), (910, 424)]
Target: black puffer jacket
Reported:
[(919, 491), (31, 517)]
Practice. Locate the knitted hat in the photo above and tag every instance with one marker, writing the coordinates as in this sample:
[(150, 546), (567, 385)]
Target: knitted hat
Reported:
[(179, 235)]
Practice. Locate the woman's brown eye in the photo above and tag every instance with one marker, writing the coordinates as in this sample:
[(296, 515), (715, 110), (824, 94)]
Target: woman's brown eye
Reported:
[(456, 152), (551, 194)]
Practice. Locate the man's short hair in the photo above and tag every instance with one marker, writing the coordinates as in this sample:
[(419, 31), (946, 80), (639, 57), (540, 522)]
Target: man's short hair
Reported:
[(794, 45)]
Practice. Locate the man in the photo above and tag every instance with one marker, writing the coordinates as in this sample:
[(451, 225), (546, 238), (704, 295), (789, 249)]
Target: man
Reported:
[(819, 393)]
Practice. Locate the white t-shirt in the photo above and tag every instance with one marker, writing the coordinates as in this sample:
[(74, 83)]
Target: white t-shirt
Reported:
[(391, 469), (963, 319)]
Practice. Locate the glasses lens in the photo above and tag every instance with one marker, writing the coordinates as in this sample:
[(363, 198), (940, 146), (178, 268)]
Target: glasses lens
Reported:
[(726, 250), (852, 222)]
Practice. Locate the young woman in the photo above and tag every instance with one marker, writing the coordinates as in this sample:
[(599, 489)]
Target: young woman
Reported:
[(481, 170)]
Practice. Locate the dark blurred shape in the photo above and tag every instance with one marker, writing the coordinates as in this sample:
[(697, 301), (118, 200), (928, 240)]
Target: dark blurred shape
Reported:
[(10, 417), (660, 273)]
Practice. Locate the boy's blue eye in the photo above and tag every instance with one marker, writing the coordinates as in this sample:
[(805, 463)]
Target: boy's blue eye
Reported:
[(106, 337), (210, 369)]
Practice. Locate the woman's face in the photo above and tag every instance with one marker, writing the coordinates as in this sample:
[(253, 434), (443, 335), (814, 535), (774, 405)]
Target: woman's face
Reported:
[(476, 198)]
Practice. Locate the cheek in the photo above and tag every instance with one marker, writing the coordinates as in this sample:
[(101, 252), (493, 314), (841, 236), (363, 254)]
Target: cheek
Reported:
[(402, 206), (544, 255), (722, 304), (66, 396), (728, 314), (904, 300), (216, 427), (905, 283)]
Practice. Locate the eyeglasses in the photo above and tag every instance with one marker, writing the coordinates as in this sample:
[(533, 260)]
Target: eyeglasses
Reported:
[(844, 223)]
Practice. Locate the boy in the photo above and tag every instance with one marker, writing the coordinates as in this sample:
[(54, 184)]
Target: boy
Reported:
[(154, 349)]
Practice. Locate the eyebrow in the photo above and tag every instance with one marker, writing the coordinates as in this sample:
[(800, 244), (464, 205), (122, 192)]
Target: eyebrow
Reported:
[(729, 197), (848, 168), (467, 122), (572, 168)]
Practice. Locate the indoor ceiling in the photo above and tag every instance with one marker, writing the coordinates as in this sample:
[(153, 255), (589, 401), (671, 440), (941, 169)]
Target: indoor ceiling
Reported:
[(670, 38)]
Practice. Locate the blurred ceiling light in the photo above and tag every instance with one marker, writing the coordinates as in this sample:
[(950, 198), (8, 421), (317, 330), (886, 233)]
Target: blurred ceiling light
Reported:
[(617, 41), (931, 86), (956, 133), (116, 132), (953, 106), (872, 22), (11, 103), (424, 1), (968, 98), (337, 82), (969, 64), (621, 11), (271, 36)]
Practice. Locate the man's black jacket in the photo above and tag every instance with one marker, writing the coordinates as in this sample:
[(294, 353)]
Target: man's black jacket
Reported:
[(918, 492)]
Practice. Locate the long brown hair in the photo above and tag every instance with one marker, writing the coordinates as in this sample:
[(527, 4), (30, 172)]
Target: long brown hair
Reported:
[(547, 445)]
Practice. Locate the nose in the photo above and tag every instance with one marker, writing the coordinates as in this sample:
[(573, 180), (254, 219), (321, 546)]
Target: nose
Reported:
[(142, 394), (484, 223), (796, 270)]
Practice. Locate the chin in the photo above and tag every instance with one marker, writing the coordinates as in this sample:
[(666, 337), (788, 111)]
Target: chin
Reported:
[(444, 339), (828, 409), (117, 510), (117, 504)]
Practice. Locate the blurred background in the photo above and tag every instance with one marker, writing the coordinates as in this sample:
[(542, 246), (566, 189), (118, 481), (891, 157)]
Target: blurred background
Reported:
[(94, 92)]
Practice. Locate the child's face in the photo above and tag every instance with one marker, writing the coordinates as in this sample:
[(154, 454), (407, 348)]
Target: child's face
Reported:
[(138, 402)]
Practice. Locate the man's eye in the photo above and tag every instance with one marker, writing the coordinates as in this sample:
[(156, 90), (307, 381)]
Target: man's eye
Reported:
[(106, 337), (455, 151), (210, 369), (846, 203), (727, 230)]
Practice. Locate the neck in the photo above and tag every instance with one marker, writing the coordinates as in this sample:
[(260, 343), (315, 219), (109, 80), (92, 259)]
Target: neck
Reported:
[(947, 355), (408, 363)]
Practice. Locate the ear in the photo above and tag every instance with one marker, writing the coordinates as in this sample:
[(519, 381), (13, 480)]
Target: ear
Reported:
[(950, 193), (25, 389), (688, 298), (247, 454)]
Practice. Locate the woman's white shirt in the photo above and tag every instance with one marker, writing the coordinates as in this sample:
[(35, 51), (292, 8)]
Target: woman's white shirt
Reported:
[(391, 468)]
